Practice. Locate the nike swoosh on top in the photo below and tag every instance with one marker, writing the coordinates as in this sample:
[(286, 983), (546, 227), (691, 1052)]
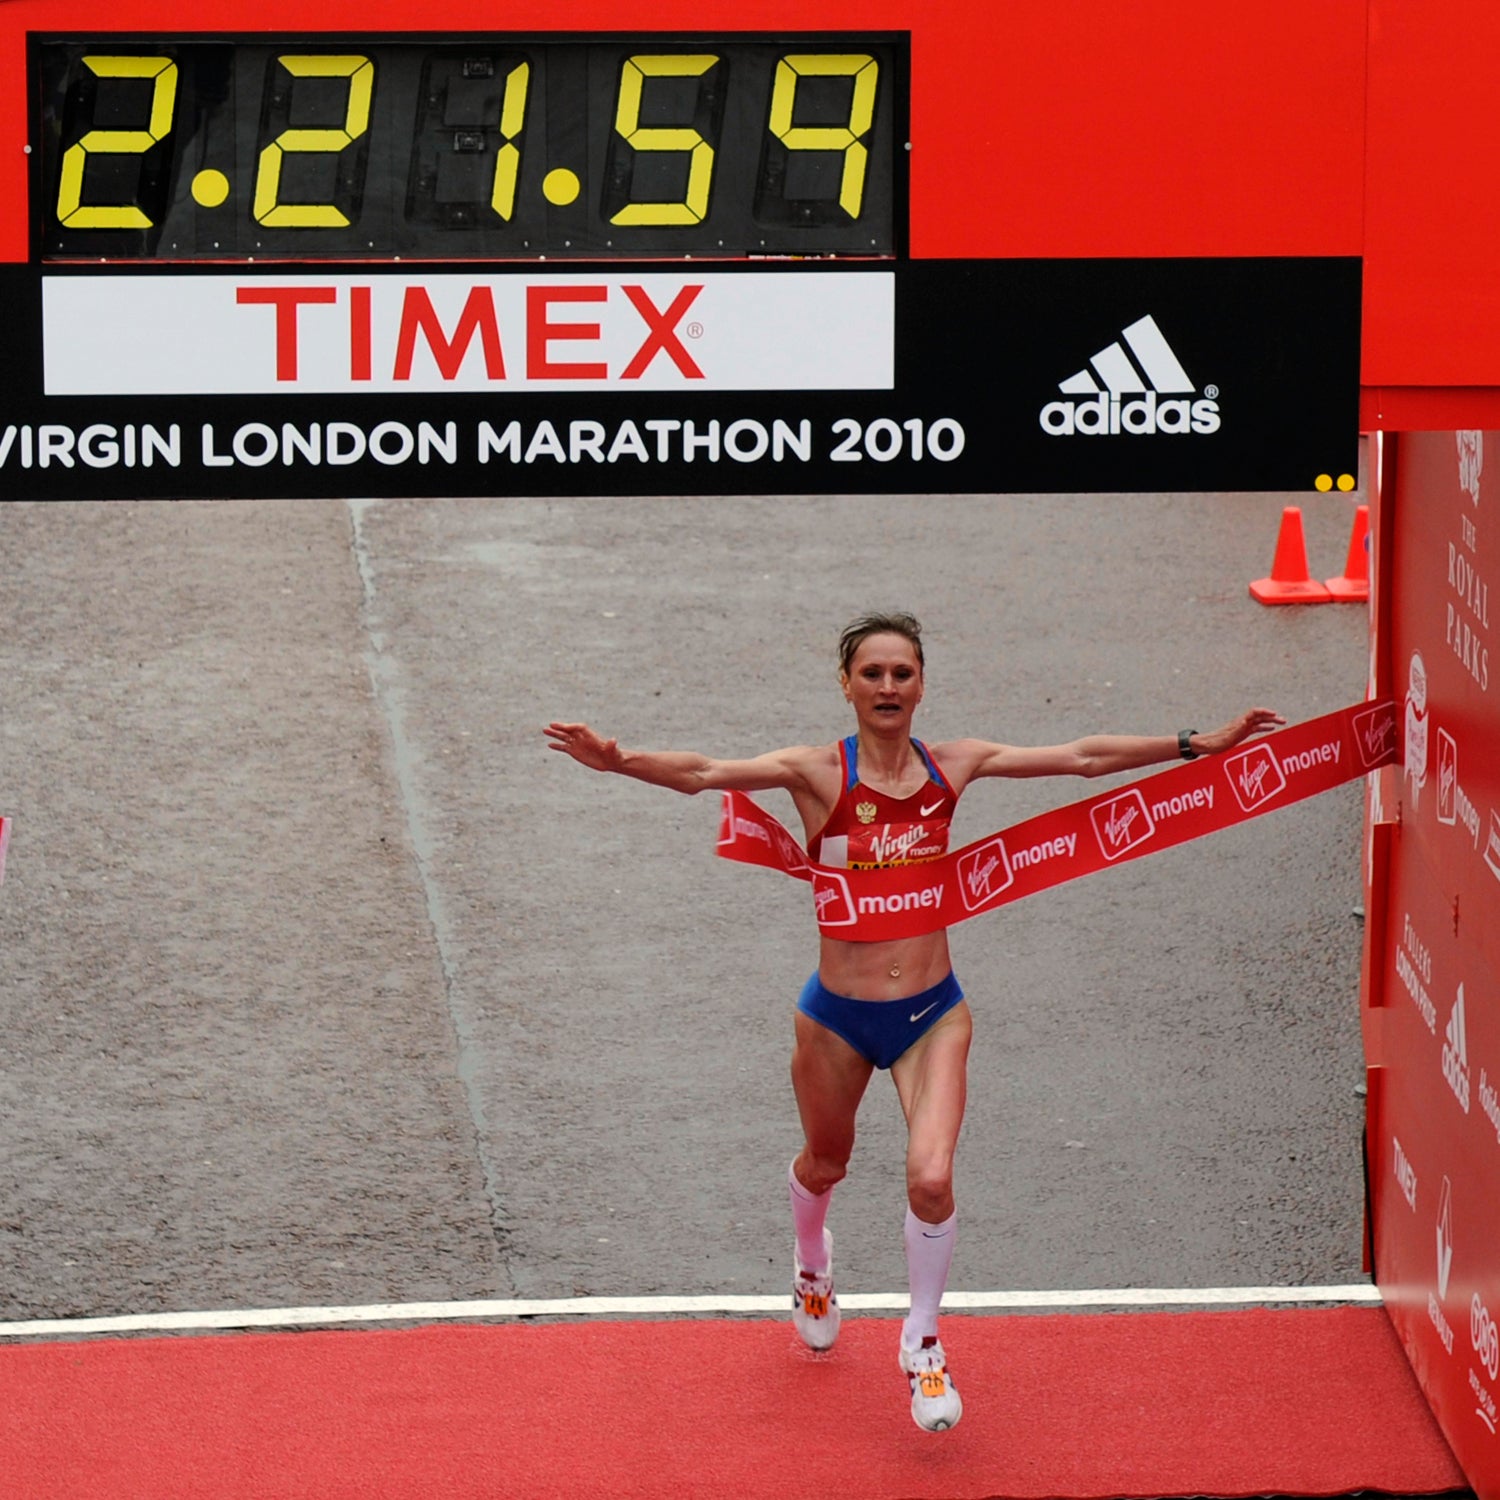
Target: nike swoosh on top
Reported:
[(927, 812), (922, 1013)]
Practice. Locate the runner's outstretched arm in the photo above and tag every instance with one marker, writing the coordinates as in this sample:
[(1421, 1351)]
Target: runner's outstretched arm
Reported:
[(683, 770), (1100, 754)]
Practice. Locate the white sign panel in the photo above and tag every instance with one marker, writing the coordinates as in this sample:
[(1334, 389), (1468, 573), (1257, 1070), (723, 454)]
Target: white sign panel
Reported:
[(688, 330)]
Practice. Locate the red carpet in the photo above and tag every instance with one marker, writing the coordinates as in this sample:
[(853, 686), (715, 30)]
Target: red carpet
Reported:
[(1300, 1402)]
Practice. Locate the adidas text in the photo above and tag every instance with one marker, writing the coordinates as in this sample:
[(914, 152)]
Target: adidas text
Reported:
[(1143, 392), (1456, 1053), (1105, 415)]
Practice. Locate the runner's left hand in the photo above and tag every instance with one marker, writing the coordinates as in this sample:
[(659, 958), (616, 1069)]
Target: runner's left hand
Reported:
[(1252, 722)]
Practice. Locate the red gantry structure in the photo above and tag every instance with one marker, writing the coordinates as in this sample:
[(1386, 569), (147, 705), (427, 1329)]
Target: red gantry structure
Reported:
[(1093, 246)]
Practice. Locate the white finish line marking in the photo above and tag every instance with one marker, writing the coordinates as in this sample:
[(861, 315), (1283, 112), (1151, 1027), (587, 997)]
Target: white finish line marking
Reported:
[(650, 1307)]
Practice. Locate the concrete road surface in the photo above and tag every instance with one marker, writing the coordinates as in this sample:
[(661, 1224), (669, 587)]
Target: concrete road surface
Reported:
[(325, 983)]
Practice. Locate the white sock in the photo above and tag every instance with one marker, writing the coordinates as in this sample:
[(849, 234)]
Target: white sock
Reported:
[(929, 1254), (809, 1211)]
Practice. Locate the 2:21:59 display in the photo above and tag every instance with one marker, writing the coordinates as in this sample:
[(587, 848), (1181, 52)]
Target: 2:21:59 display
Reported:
[(476, 147)]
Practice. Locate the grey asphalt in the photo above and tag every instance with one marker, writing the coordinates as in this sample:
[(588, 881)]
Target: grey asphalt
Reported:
[(323, 982)]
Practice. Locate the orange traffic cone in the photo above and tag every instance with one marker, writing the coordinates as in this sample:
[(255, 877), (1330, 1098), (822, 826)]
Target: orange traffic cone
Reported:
[(1353, 587), (1290, 582)]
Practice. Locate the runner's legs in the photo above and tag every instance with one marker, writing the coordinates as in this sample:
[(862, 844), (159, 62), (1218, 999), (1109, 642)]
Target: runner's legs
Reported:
[(931, 1078), (829, 1079)]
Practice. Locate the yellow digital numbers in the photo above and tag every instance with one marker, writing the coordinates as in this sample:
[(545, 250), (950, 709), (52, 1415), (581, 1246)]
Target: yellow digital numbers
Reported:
[(865, 72), (475, 146), (633, 76), (71, 209), (508, 158), (267, 209)]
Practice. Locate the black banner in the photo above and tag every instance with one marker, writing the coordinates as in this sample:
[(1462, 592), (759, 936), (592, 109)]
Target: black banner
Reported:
[(1008, 377)]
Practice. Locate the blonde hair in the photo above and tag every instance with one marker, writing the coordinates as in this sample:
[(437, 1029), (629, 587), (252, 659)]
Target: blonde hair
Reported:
[(897, 623)]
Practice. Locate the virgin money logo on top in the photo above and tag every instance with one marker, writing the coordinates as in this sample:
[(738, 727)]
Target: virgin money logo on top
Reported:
[(831, 899), (1454, 805), (790, 851), (1447, 765), (1375, 734), (1254, 775), (1121, 823), (983, 873)]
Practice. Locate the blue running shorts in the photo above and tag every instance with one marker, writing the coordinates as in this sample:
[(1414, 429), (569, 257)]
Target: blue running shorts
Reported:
[(879, 1030)]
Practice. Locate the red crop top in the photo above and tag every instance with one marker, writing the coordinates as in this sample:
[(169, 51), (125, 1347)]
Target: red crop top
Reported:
[(868, 829)]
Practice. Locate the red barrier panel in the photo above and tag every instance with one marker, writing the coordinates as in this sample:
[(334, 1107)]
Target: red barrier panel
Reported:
[(1432, 1000)]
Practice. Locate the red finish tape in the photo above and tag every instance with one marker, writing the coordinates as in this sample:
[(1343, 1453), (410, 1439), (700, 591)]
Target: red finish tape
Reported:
[(1158, 812)]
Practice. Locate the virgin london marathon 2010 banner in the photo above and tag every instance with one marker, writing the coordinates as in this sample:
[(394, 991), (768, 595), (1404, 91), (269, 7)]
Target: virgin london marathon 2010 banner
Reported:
[(1158, 812)]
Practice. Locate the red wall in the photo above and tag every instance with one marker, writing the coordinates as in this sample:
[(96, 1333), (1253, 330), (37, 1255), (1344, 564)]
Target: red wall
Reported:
[(1158, 128), (1432, 220)]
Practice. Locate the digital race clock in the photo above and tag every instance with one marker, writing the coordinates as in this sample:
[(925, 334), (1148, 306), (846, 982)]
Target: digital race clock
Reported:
[(493, 147)]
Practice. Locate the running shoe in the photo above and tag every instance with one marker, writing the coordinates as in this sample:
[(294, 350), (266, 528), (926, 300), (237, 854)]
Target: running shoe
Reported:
[(935, 1405), (815, 1309)]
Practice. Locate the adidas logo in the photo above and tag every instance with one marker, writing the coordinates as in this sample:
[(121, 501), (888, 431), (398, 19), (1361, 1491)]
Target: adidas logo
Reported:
[(1128, 400), (1456, 1053)]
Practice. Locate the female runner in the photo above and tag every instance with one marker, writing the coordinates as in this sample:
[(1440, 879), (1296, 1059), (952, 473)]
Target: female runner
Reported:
[(880, 798)]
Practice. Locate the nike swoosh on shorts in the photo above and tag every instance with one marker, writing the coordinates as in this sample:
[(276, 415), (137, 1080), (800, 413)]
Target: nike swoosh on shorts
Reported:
[(922, 1013)]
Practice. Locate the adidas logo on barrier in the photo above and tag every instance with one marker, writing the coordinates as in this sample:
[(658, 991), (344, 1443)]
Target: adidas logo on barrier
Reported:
[(1128, 401), (1456, 1053)]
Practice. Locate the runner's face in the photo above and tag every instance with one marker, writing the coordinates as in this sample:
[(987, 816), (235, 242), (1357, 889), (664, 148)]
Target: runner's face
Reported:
[(884, 682)]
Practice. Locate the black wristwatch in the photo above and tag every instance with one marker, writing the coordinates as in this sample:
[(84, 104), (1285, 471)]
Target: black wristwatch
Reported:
[(1184, 744)]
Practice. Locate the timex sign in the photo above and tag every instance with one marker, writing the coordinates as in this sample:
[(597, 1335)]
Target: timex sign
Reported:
[(586, 330), (709, 328)]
